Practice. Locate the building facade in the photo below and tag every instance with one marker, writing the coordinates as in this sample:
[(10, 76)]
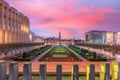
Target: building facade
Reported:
[(117, 38), (31, 36), (103, 37), (14, 26), (38, 39)]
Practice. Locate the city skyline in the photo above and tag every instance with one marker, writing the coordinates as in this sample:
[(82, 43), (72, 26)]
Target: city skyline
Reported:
[(72, 17)]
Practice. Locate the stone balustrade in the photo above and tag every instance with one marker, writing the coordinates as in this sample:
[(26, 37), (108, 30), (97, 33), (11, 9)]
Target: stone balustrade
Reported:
[(90, 71), (18, 50)]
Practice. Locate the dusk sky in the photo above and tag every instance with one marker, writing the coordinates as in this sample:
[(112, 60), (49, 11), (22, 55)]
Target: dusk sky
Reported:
[(72, 17)]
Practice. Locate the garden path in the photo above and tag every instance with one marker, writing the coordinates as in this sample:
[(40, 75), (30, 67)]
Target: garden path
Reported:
[(41, 55), (79, 56)]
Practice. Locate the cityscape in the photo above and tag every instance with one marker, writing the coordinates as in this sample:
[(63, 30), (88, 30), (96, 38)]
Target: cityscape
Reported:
[(59, 40)]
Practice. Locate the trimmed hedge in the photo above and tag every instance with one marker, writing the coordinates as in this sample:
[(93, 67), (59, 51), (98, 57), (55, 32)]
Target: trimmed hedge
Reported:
[(88, 55), (31, 55)]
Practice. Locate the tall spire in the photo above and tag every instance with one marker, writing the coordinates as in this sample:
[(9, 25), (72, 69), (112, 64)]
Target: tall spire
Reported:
[(59, 38)]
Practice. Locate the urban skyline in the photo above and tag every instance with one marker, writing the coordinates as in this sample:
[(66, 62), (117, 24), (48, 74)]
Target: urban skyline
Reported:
[(43, 39), (72, 18)]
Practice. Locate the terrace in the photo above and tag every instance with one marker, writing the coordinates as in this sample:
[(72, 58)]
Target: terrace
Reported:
[(59, 53)]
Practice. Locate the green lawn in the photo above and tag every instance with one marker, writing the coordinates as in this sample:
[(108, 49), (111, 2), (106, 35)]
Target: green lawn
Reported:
[(60, 51)]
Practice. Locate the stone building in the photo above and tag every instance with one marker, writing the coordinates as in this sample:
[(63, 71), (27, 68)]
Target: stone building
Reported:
[(103, 37), (14, 26), (100, 37)]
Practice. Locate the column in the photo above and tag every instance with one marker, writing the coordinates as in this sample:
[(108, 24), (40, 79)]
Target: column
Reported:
[(21, 25), (13, 71), (90, 74), (7, 25), (2, 70), (119, 71), (27, 74), (104, 71), (6, 36), (42, 73), (115, 70), (1, 23), (17, 26), (75, 72), (59, 72), (28, 25), (10, 27), (107, 72), (12, 35), (20, 28)]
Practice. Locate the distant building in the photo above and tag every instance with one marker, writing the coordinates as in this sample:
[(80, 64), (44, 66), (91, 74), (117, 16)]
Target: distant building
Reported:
[(55, 41), (117, 38), (51, 41), (31, 36), (14, 26), (102, 37), (38, 39)]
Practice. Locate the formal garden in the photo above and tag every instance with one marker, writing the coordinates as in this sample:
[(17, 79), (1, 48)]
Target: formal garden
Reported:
[(91, 56), (33, 54), (59, 53)]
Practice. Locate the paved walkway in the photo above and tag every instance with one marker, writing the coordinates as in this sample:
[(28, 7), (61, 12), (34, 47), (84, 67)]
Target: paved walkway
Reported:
[(41, 55), (79, 56)]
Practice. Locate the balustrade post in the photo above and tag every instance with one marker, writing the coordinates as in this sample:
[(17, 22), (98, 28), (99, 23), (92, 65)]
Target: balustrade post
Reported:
[(2, 70), (27, 73), (13, 71), (119, 71), (59, 72), (115, 70), (42, 73), (90, 72), (75, 72), (107, 76)]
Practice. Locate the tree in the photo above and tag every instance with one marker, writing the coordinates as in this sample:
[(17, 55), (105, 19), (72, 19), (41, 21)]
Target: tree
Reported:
[(24, 55)]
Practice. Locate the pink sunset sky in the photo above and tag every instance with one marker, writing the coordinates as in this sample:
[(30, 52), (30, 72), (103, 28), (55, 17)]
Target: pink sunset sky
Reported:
[(72, 17)]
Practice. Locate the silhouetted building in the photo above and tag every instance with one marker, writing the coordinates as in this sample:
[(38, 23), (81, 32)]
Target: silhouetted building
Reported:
[(59, 38)]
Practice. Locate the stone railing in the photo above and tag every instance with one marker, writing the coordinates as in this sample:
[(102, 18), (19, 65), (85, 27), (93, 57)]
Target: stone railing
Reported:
[(112, 48), (11, 50), (108, 51), (7, 47), (90, 71)]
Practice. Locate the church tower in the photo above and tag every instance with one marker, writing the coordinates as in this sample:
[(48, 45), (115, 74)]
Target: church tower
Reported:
[(59, 38)]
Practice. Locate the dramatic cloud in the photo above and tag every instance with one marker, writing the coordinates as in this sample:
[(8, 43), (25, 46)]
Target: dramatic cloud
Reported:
[(71, 17)]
